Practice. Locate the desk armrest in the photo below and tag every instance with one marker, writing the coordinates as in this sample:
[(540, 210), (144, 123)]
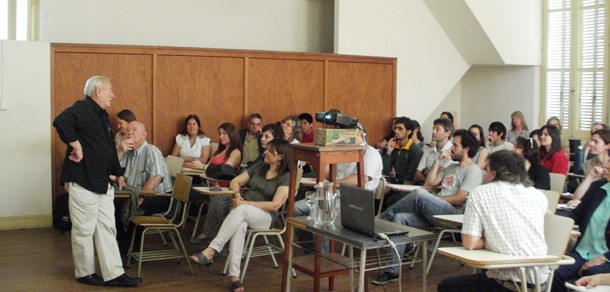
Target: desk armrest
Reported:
[(483, 258)]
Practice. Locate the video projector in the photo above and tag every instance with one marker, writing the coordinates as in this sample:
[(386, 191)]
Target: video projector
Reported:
[(337, 119)]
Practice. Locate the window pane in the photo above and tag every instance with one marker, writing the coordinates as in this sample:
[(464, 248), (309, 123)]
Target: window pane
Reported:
[(22, 20)]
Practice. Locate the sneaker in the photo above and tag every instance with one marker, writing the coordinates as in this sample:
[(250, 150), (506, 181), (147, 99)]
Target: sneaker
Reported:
[(385, 278)]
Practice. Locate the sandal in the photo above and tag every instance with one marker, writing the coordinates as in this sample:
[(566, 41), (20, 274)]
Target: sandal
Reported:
[(236, 285), (200, 259)]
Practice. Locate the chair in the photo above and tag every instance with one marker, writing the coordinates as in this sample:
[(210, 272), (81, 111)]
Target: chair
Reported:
[(558, 181), (553, 198), (210, 182), (164, 223), (269, 248), (213, 147), (174, 164), (380, 193), (556, 233)]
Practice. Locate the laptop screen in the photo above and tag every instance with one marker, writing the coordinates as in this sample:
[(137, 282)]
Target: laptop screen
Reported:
[(357, 209)]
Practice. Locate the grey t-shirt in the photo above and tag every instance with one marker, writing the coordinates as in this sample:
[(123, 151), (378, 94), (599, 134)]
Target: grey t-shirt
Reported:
[(458, 178), (260, 188)]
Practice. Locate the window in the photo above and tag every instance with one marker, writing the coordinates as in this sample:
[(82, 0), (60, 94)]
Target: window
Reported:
[(18, 20), (575, 63)]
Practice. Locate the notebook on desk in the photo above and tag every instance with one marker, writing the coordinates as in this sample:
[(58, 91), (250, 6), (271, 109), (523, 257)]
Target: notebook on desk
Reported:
[(358, 212)]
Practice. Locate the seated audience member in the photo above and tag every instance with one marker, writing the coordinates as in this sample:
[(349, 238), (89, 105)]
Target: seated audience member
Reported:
[(229, 153), (481, 157), (497, 134), (257, 208), (452, 116), (381, 144), (124, 117), (539, 175), (402, 154), (268, 133), (518, 127), (594, 127), (419, 207), (599, 143), (441, 132), (192, 144), (592, 249), (535, 134), (145, 167), (565, 142), (306, 121), (145, 171), (292, 129), (249, 138), (347, 173), (551, 155), (506, 215), (417, 136), (594, 281)]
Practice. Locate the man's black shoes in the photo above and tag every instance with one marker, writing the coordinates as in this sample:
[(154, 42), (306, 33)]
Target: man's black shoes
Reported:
[(124, 281), (93, 280)]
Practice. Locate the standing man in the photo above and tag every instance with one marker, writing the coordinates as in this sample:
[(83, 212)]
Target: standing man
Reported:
[(249, 136), (90, 159), (506, 215)]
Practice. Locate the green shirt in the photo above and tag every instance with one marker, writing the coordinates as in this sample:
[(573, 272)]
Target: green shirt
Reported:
[(593, 242)]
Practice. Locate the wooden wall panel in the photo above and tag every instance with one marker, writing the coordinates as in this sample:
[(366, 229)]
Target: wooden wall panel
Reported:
[(162, 85), (210, 87), (365, 91), (278, 88), (131, 77)]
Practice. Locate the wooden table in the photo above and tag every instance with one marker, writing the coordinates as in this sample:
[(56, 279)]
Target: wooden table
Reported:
[(320, 157)]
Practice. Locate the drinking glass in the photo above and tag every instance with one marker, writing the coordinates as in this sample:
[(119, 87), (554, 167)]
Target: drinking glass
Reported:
[(310, 199)]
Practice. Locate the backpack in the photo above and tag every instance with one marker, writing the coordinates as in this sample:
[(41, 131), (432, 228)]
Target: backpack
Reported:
[(61, 213), (221, 171)]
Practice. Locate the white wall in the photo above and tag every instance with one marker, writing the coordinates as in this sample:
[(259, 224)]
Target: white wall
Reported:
[(429, 66), (492, 93), (295, 25), (25, 151), (429, 78)]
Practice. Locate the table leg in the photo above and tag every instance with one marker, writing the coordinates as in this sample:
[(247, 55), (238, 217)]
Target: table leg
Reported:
[(351, 268), (286, 272), (424, 262), (361, 272)]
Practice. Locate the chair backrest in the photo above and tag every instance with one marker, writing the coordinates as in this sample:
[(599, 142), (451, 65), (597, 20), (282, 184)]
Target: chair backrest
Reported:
[(180, 197), (174, 165), (380, 193), (557, 233), (558, 181), (553, 198), (213, 147)]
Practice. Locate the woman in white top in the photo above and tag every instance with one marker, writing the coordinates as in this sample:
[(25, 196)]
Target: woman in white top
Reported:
[(192, 144)]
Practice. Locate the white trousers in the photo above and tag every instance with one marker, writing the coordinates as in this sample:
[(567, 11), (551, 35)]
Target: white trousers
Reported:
[(234, 228), (93, 225)]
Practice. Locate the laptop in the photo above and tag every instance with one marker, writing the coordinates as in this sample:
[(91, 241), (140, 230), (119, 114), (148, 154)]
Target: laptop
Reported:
[(358, 213)]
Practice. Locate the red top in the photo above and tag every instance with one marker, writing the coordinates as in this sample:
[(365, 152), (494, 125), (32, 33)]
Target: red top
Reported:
[(307, 138), (556, 163)]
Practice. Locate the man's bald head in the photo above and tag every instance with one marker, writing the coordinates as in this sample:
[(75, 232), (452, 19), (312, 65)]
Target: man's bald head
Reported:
[(136, 131)]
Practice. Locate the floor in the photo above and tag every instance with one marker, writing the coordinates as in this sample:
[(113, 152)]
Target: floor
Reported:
[(41, 260)]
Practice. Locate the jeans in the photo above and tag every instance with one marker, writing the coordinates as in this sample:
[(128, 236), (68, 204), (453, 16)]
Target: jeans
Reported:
[(568, 272), (417, 209), (468, 283)]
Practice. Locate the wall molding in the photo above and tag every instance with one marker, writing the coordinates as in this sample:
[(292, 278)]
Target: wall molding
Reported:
[(26, 222)]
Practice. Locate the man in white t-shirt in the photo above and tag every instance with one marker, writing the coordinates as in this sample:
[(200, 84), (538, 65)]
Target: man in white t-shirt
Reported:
[(505, 215), (441, 133), (497, 135)]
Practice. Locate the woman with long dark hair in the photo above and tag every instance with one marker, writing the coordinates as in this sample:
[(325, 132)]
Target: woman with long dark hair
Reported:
[(551, 155), (599, 145), (529, 149), (192, 144), (257, 208), (481, 157)]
